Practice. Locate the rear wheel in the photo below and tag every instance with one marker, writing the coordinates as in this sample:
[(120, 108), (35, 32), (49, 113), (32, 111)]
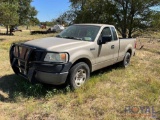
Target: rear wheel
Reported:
[(126, 60), (78, 75)]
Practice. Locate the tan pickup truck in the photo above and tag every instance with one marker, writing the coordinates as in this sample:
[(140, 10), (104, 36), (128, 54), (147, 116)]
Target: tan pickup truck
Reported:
[(72, 55)]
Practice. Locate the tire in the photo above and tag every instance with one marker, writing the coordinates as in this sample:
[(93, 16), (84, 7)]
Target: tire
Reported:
[(78, 75), (126, 60)]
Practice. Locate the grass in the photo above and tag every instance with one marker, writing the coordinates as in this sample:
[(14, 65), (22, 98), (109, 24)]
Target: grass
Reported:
[(104, 96)]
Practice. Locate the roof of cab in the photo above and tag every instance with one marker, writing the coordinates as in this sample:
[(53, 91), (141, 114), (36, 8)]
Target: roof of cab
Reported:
[(95, 24)]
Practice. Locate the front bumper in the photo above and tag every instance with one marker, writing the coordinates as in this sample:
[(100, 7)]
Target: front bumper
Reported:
[(23, 64), (50, 74), (51, 78)]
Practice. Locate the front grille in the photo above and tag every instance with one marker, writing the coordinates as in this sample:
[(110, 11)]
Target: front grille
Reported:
[(36, 55), (21, 52), (22, 55)]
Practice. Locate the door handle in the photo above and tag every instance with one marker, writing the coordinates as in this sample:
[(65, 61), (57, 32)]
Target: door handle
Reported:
[(92, 49), (112, 47)]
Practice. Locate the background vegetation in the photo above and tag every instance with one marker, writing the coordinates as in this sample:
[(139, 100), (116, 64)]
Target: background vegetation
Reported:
[(129, 16)]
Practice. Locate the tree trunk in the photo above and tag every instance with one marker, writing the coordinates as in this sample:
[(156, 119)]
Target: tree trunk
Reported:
[(11, 30), (7, 29), (130, 34), (124, 33), (83, 3), (131, 17)]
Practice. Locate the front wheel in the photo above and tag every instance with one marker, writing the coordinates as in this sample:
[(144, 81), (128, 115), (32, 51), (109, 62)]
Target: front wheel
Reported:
[(78, 75)]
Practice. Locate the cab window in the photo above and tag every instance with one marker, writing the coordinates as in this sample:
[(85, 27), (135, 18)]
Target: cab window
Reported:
[(114, 33), (106, 31)]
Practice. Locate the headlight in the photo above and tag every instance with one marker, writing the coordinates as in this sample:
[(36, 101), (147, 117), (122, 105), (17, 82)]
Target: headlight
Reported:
[(56, 57)]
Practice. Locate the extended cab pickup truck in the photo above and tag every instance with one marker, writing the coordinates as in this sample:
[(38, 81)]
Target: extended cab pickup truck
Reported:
[(72, 55)]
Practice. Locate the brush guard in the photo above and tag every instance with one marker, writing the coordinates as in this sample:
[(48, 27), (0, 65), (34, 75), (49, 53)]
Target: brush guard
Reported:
[(19, 60)]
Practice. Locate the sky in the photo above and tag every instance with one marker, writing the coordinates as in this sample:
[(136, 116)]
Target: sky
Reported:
[(50, 9)]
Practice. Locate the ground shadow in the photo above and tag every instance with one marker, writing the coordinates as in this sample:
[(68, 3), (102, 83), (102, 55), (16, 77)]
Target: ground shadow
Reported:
[(4, 34), (12, 86), (15, 86)]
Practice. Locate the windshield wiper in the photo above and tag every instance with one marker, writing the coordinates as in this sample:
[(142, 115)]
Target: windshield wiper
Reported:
[(69, 37), (59, 36)]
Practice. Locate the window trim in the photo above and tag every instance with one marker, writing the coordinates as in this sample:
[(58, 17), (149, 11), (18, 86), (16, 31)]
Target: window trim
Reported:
[(113, 34)]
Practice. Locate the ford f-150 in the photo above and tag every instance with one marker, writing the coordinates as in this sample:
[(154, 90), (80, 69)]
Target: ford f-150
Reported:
[(72, 55)]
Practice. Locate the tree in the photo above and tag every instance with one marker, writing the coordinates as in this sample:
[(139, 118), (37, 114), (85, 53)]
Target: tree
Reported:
[(17, 12), (96, 11), (155, 21), (26, 12), (8, 13), (66, 18), (78, 4), (132, 15), (126, 15), (30, 18)]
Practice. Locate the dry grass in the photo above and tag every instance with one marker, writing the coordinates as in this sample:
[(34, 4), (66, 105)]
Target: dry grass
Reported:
[(103, 97), (23, 28)]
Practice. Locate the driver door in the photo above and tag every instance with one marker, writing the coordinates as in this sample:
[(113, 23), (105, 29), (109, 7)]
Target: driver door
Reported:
[(105, 53)]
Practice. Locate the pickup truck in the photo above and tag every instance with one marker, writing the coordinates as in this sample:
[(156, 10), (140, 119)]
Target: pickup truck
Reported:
[(72, 55)]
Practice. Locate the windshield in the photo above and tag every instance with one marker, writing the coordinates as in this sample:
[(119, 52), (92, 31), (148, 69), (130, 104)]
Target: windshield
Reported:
[(80, 32)]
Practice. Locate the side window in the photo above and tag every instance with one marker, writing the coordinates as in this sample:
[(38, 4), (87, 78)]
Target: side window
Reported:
[(114, 33), (106, 31)]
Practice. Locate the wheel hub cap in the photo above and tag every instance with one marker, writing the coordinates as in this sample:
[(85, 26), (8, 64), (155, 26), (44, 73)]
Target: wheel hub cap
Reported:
[(80, 77)]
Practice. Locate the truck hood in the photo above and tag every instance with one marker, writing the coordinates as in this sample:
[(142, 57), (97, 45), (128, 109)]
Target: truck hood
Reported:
[(57, 44)]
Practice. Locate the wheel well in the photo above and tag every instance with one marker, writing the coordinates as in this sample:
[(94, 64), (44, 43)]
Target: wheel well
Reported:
[(130, 51), (85, 60)]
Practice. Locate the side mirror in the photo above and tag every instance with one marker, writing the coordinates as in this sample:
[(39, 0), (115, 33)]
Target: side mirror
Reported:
[(106, 38)]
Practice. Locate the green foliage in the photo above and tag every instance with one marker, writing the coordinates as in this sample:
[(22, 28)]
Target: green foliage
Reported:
[(66, 18), (132, 15), (8, 13), (49, 23), (27, 14), (26, 11), (97, 11), (78, 4), (155, 23), (17, 12)]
